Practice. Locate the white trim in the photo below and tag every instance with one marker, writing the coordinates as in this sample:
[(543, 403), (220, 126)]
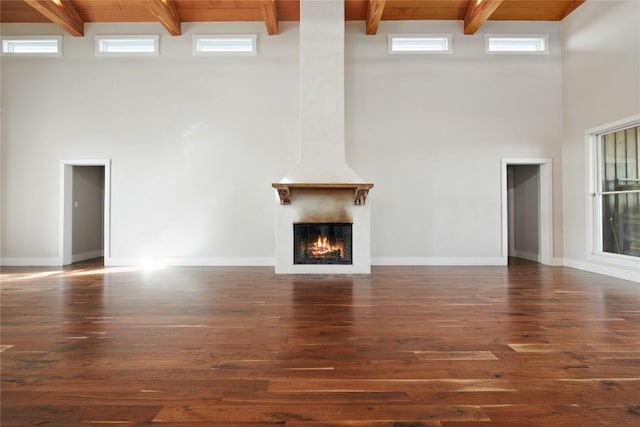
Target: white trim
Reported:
[(29, 262), (557, 262), (620, 273), (545, 206), (65, 203), (545, 242), (614, 126), (511, 211), (590, 186), (625, 261), (438, 261), (190, 262)]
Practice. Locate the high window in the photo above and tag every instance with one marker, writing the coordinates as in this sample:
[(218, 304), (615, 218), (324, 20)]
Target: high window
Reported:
[(517, 44), (135, 45), (32, 46), (615, 190), (419, 44), (225, 44)]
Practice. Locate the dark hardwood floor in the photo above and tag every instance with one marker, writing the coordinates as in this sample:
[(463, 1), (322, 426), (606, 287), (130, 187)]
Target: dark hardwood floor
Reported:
[(405, 346)]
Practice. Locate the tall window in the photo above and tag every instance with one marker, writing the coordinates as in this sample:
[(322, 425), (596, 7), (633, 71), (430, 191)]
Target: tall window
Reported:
[(617, 191)]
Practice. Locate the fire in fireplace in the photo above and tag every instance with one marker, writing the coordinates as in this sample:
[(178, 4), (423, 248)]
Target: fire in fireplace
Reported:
[(322, 243)]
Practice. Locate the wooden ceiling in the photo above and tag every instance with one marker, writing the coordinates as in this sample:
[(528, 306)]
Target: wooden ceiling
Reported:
[(71, 15)]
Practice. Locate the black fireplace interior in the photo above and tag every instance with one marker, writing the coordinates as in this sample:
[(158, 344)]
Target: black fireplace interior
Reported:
[(324, 243)]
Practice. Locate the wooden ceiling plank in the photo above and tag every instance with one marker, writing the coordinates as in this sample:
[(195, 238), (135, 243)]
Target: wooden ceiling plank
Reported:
[(477, 14), (572, 6), (374, 14), (18, 11), (62, 13), (270, 15), (165, 12)]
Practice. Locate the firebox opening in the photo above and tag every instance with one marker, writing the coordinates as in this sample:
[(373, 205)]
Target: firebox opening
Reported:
[(322, 243)]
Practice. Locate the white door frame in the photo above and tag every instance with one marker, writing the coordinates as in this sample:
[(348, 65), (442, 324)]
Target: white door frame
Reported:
[(545, 208), (66, 207), (511, 207)]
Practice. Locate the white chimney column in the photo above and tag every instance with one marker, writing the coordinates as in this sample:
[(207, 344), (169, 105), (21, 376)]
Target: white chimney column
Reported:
[(322, 79), (322, 122)]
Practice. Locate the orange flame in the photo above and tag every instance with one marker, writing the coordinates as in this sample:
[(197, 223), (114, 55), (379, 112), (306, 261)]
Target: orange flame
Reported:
[(322, 246)]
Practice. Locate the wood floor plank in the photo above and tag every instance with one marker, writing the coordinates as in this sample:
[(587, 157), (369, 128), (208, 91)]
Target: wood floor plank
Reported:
[(98, 413), (404, 346), (395, 384), (321, 413)]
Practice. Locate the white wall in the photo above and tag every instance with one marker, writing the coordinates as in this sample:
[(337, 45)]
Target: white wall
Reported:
[(430, 132), (196, 142), (600, 85)]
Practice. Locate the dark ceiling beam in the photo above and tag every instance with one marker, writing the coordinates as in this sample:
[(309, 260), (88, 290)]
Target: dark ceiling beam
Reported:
[(374, 15), (60, 12), (165, 12), (270, 15), (478, 13)]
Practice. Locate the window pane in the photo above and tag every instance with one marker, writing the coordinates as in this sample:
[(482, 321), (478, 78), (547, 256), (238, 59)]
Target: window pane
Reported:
[(137, 45), (620, 162), (419, 44), (45, 45), (516, 44), (225, 44), (621, 223), (127, 45)]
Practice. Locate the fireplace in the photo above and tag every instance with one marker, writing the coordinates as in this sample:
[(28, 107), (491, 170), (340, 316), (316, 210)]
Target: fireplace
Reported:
[(322, 243), (323, 204)]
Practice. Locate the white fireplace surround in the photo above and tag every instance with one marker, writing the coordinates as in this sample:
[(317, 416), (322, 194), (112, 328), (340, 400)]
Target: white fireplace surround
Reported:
[(322, 187), (322, 206)]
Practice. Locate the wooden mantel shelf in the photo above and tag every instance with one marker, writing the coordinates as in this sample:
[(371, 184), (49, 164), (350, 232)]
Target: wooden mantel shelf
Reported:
[(360, 190)]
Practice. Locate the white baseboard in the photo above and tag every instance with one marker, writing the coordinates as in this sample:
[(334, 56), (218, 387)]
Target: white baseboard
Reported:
[(557, 262), (438, 261), (620, 273), (86, 255), (30, 262), (612, 271), (189, 262)]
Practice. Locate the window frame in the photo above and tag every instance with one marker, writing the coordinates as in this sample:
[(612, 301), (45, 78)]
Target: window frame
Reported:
[(488, 38), (447, 36), (594, 238), (56, 38), (101, 37), (199, 37)]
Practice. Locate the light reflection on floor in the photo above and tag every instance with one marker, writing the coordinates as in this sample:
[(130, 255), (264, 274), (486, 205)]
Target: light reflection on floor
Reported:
[(28, 275)]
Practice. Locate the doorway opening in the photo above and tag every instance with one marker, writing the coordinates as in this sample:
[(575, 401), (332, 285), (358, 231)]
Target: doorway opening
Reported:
[(84, 212), (527, 214), (523, 197)]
